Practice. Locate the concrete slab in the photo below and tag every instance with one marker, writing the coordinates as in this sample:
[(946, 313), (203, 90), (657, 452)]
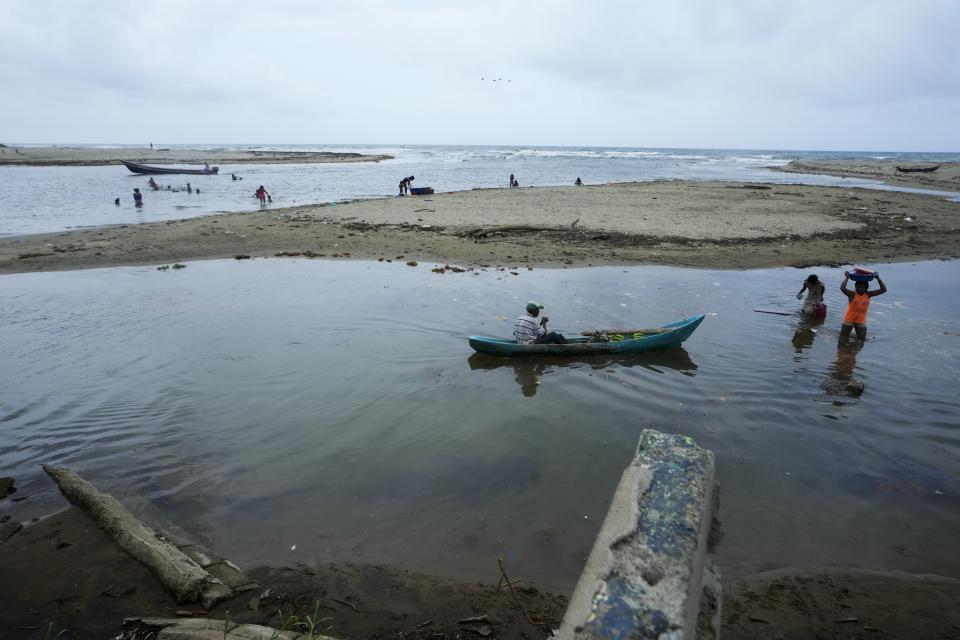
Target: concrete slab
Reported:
[(649, 573)]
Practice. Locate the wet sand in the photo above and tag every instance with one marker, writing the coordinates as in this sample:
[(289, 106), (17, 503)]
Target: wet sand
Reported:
[(840, 602), (946, 177), (74, 156), (65, 571), (700, 224)]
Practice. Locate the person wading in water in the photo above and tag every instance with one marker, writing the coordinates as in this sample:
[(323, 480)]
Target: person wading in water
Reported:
[(859, 302)]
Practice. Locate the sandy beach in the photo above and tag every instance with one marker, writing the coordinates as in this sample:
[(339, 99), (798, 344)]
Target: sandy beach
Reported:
[(702, 224), (85, 156), (945, 177)]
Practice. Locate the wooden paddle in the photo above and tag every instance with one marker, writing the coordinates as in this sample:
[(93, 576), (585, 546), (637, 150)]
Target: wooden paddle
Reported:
[(776, 313)]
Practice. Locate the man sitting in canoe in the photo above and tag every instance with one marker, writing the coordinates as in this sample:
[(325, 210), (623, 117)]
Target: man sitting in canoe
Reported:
[(528, 330)]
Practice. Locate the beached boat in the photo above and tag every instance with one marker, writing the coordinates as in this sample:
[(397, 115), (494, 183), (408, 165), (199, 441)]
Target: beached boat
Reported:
[(421, 191), (918, 169), (148, 170), (665, 337)]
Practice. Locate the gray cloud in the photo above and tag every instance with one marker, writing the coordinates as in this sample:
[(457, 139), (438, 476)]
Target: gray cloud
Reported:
[(751, 73)]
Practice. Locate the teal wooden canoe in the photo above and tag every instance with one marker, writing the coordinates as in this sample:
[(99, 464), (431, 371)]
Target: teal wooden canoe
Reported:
[(675, 334)]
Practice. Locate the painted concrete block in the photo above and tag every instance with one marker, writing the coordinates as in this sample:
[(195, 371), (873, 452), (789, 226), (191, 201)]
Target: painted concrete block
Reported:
[(649, 574)]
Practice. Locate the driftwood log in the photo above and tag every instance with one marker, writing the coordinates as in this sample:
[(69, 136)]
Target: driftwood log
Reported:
[(204, 629), (186, 580), (483, 232)]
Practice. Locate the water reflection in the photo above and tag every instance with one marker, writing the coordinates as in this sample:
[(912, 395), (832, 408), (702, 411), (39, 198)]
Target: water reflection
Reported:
[(528, 371), (841, 380), (806, 331)]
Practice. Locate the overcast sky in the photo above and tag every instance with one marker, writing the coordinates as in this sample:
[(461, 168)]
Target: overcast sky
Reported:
[(780, 74)]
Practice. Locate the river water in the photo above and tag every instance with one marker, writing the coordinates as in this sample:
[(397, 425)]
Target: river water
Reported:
[(47, 199), (292, 411)]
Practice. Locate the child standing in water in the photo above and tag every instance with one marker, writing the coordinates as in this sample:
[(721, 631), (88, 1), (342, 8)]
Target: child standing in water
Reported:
[(859, 301), (813, 305)]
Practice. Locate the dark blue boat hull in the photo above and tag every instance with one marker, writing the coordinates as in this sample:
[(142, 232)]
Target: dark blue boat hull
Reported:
[(147, 170)]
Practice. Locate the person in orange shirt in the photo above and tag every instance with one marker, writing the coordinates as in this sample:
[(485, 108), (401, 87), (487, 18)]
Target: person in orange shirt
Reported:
[(859, 302)]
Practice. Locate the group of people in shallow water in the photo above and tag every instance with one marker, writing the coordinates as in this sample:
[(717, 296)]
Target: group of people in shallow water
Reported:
[(138, 195), (531, 329), (156, 187), (261, 193), (264, 197), (858, 302)]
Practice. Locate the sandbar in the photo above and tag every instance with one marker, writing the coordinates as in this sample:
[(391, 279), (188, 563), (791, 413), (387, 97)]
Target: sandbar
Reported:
[(699, 224), (85, 156), (901, 173)]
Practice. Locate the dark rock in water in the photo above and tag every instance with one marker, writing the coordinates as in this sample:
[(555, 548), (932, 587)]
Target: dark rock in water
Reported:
[(7, 529), (6, 487), (852, 387), (855, 387)]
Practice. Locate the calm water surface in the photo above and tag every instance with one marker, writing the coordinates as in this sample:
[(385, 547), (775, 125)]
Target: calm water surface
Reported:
[(335, 406)]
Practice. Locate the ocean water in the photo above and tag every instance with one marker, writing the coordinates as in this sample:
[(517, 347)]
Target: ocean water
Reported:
[(48, 199), (336, 407)]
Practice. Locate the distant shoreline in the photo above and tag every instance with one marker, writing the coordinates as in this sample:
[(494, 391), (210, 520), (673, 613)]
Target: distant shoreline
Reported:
[(946, 177), (719, 225), (79, 156)]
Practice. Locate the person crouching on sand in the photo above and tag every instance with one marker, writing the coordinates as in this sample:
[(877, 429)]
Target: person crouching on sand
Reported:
[(528, 331), (859, 302)]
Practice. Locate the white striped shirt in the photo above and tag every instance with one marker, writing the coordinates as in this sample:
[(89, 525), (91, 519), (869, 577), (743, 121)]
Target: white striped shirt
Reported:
[(527, 329)]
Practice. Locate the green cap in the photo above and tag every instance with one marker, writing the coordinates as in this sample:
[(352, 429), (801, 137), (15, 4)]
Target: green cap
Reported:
[(532, 306)]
